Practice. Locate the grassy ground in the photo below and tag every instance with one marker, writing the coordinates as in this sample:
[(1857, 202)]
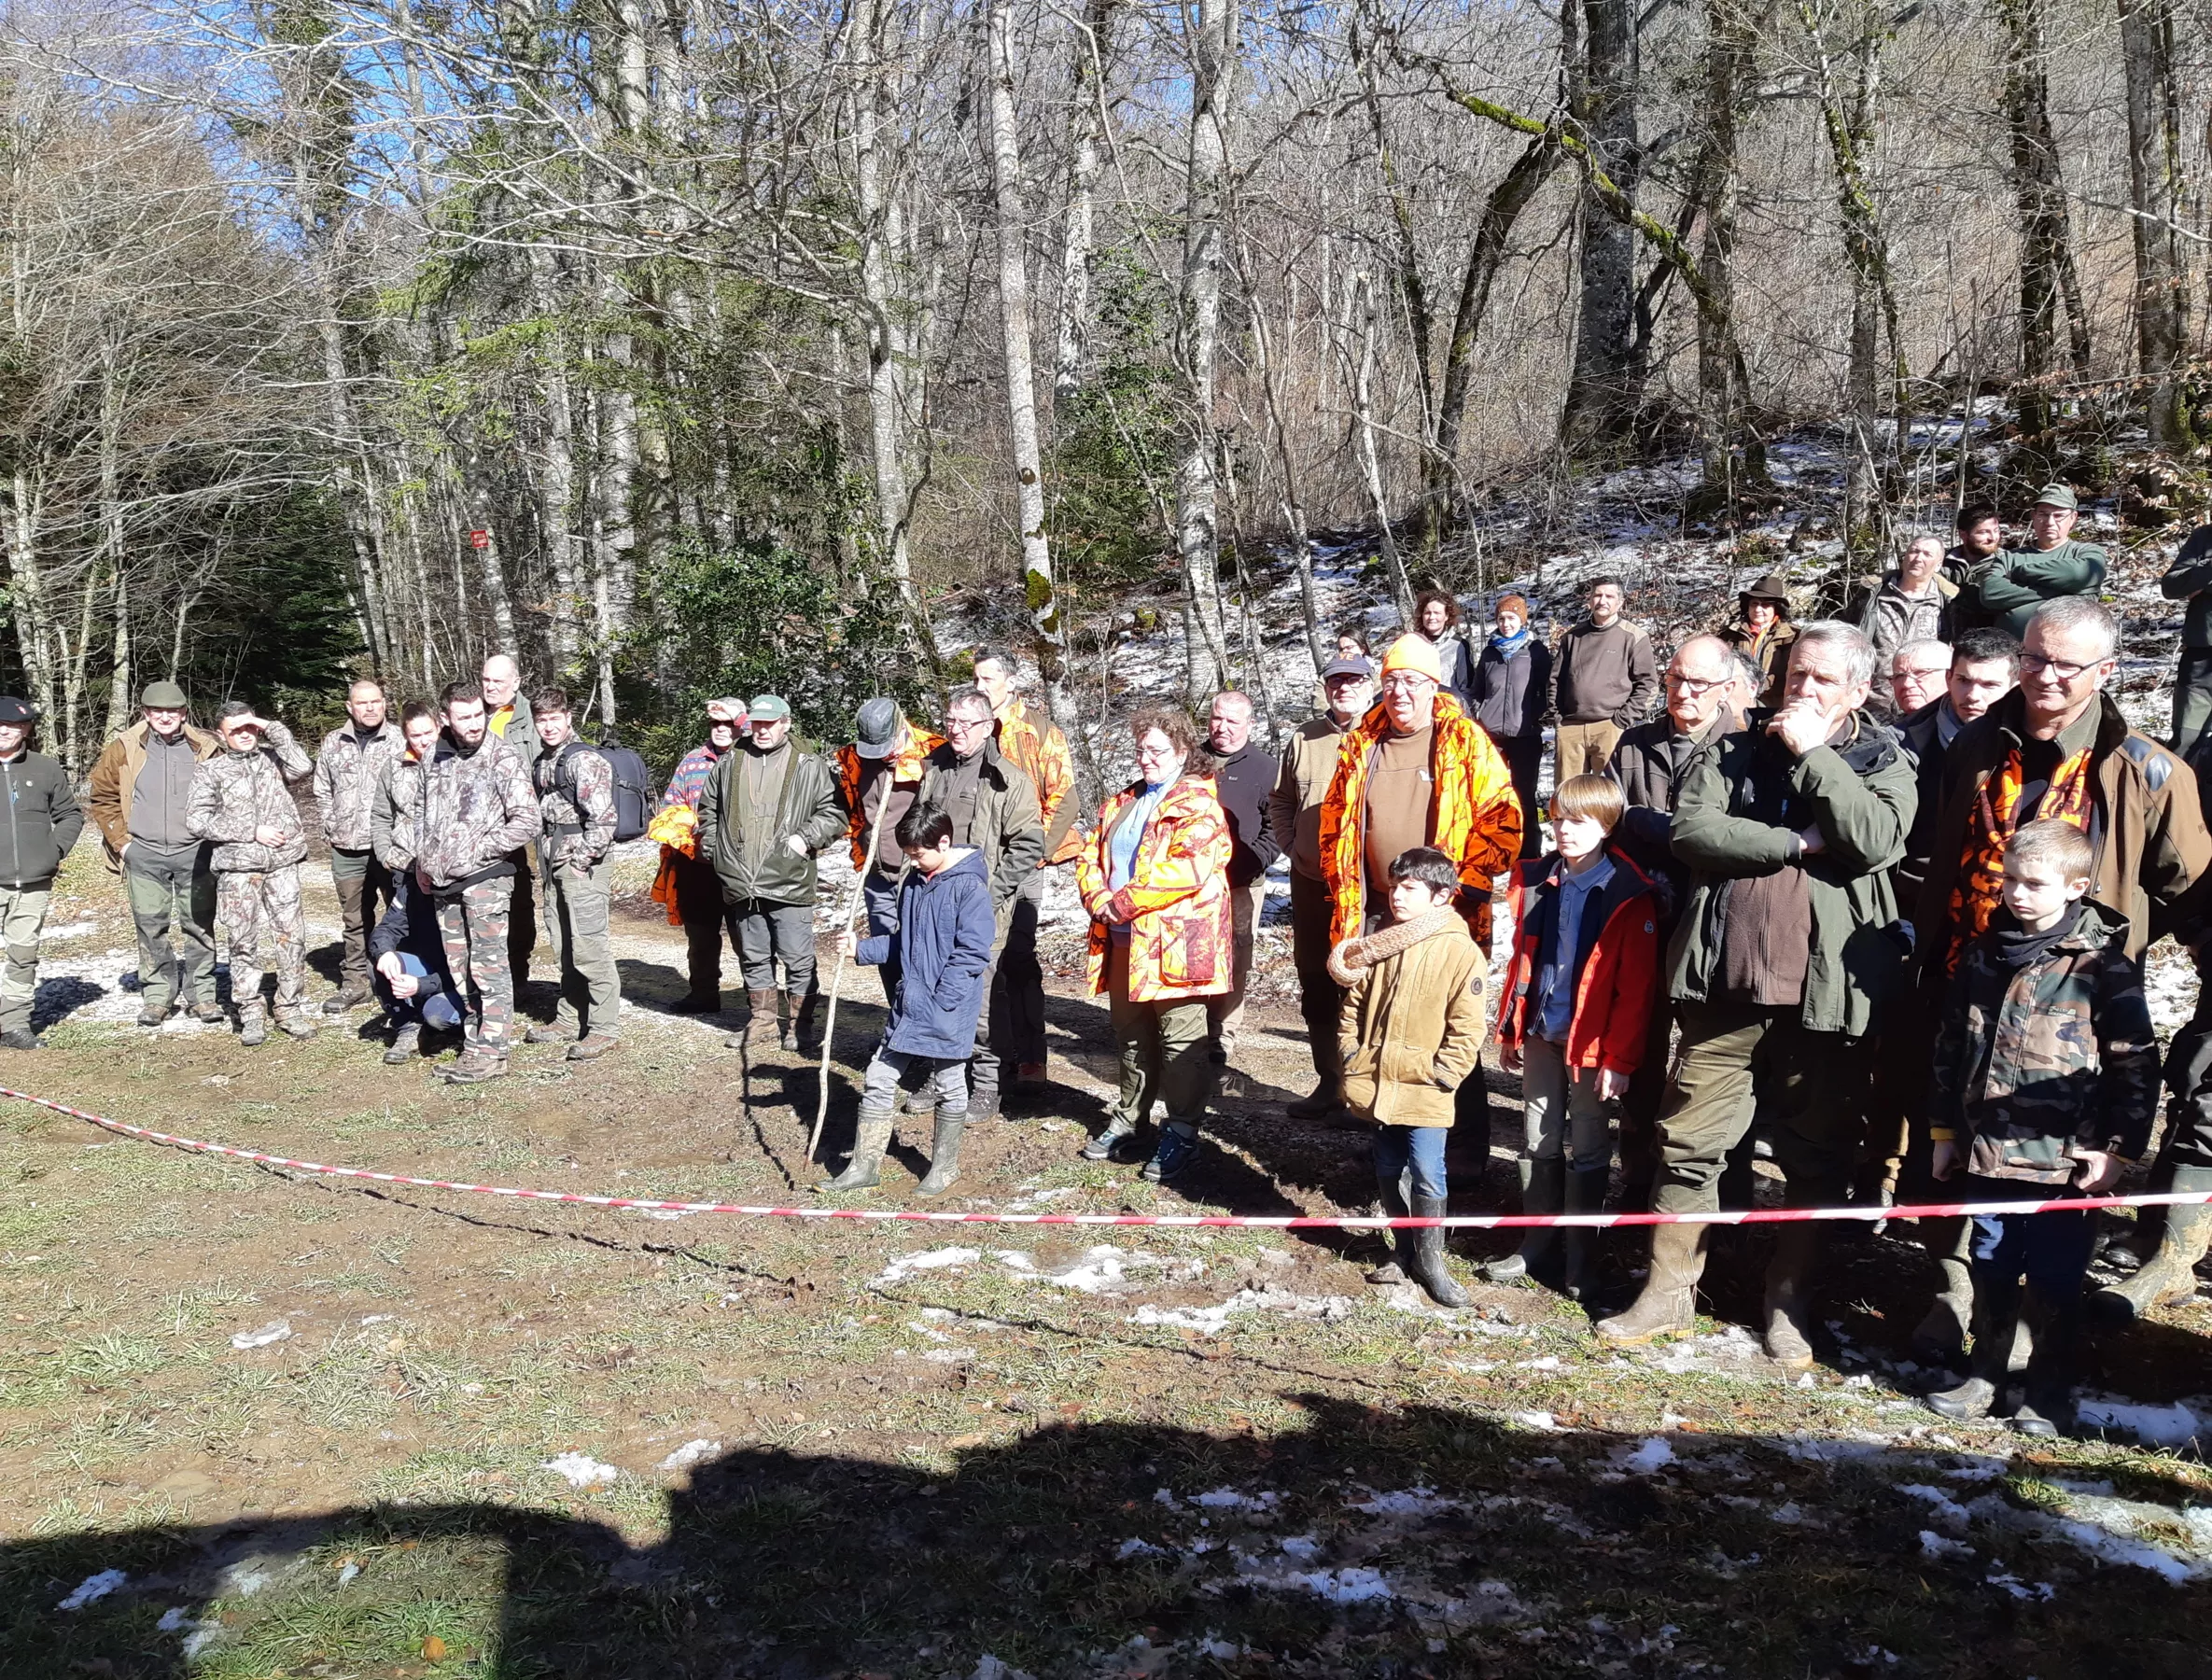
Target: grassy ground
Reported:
[(807, 1450)]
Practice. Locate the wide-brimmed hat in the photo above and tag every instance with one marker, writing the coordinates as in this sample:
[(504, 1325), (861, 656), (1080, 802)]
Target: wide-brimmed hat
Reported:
[(1772, 587)]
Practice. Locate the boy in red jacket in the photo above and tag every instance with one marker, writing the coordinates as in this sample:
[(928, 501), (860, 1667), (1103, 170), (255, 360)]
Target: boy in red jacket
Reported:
[(1574, 1008)]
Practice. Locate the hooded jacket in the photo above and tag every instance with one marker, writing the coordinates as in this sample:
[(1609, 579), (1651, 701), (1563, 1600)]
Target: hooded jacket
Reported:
[(1508, 696), (1007, 828), (2054, 1053), (1742, 804), (475, 812), (1413, 1018), (943, 946), (235, 794), (1617, 982), (807, 808), (43, 820), (1176, 906), (114, 778), (1474, 814), (348, 769), (2147, 828)]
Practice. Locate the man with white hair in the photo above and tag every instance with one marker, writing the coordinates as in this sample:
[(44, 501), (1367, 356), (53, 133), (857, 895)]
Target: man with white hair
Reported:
[(2057, 747), (1916, 673), (1911, 604), (507, 716), (1790, 828)]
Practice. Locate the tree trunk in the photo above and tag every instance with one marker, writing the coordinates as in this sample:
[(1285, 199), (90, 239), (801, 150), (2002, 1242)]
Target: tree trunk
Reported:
[(1087, 120), (1212, 43), (1363, 414), (2154, 184), (1734, 455), (1605, 389), (1294, 506), (2048, 285)]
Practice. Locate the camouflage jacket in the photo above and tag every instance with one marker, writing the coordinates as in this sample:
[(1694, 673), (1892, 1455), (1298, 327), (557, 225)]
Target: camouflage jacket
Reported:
[(395, 808), (476, 812), (348, 769), (235, 794), (575, 788), (2055, 1053)]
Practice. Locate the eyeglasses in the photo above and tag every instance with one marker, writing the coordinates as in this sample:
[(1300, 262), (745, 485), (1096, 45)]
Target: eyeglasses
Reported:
[(1155, 753), (966, 725), (2033, 663), (1694, 685), (1404, 682)]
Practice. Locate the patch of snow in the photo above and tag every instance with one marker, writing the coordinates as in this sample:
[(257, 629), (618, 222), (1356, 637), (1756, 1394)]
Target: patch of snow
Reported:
[(1652, 1456), (93, 1588), (1408, 1503), (1303, 1547), (1134, 1548), (2101, 1542), (2170, 1427), (1354, 1584), (990, 1667), (1934, 1546), (931, 1260), (275, 1330), (1211, 1321), (1232, 1499), (690, 1453), (580, 1470), (1537, 1419), (1946, 1510)]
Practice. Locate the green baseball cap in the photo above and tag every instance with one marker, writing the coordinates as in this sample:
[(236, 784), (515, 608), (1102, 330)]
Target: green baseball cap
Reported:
[(2058, 495), (767, 708), (163, 697)]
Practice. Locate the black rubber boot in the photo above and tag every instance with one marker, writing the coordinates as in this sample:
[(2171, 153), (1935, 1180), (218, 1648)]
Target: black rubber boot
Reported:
[(1390, 1192), (944, 1152), (1789, 1296), (1996, 1317), (1543, 1190), (2047, 1407), (1585, 1194), (1423, 1254)]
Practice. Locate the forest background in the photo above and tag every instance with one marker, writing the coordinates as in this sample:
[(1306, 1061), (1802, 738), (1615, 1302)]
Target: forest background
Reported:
[(702, 346)]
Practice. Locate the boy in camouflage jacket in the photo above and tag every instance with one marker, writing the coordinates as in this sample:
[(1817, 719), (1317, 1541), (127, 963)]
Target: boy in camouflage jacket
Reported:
[(2046, 1076), (239, 803)]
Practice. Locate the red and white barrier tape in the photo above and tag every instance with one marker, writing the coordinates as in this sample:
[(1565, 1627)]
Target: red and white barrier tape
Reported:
[(1274, 1222)]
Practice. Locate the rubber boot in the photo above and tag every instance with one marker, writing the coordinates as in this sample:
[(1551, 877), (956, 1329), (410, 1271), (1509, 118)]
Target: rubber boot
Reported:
[(944, 1152), (1789, 1296), (1996, 1315), (2169, 1275), (1668, 1305), (2047, 1407), (1543, 1190), (1585, 1194), (869, 1140), (1940, 1339), (1389, 1192), (1421, 1252)]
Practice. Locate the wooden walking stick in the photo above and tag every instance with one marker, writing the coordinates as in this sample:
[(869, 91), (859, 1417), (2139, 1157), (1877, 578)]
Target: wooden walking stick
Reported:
[(821, 1104)]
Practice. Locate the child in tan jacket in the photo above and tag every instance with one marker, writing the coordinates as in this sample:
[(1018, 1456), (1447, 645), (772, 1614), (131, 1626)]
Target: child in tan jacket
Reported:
[(1411, 1030)]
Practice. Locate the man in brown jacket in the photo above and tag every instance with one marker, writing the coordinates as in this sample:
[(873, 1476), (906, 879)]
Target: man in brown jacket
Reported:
[(1294, 816), (140, 799), (1603, 678)]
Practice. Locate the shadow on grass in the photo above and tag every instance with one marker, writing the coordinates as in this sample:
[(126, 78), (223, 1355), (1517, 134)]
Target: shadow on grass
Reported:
[(1392, 1541)]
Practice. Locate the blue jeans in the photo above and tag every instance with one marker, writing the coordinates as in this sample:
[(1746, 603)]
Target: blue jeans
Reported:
[(2051, 1250), (1420, 1147), (438, 1010)]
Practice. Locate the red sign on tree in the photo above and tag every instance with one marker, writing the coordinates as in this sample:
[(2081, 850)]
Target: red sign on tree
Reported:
[(480, 539)]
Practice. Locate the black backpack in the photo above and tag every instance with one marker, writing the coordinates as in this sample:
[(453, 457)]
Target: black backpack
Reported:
[(633, 794)]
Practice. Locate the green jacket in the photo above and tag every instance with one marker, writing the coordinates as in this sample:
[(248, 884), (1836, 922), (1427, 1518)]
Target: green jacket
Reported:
[(2010, 587), (1008, 827), (1741, 805), (808, 808), (2190, 579), (2055, 1052)]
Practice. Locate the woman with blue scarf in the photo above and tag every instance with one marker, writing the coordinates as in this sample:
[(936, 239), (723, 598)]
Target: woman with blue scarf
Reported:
[(1511, 679)]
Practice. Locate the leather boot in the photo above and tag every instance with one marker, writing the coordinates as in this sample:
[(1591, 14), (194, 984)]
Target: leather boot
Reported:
[(1421, 1253), (1585, 1194), (1326, 1099), (1997, 1314), (758, 1034), (1543, 1190), (944, 1152), (1390, 1195), (2169, 1275), (805, 1038), (2047, 1407), (787, 1008), (1669, 1303), (1789, 1296), (871, 1138), (1941, 1336)]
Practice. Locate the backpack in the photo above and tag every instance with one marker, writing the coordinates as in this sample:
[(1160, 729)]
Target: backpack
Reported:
[(633, 800)]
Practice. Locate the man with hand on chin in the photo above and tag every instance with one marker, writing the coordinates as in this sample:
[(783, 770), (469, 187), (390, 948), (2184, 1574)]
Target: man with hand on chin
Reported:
[(1786, 952)]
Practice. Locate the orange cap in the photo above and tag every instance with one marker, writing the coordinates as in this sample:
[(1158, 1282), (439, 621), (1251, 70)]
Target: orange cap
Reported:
[(1415, 654)]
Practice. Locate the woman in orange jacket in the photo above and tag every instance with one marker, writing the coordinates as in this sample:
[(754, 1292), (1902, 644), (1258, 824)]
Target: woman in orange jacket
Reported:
[(1574, 1012), (1154, 877)]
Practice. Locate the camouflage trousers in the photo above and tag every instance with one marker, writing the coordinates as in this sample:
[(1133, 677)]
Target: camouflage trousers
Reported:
[(260, 913), (474, 922), (22, 916)]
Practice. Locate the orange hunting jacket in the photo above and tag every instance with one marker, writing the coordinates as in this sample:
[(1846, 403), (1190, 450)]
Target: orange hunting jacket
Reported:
[(1473, 815), (1042, 755), (1182, 934), (906, 768)]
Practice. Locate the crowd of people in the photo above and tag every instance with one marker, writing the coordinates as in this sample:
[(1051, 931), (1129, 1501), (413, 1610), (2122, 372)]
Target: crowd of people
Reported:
[(1873, 890)]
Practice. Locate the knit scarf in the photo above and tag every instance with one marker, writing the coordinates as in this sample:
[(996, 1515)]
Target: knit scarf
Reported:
[(1508, 647), (1349, 958)]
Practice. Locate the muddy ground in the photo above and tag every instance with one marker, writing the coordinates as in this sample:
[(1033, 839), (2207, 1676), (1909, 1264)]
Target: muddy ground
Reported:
[(260, 1423)]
